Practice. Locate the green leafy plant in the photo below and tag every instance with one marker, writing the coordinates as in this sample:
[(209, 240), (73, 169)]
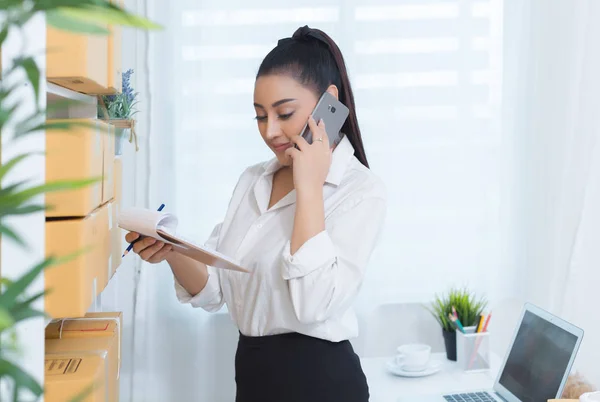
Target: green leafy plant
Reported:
[(20, 198), (121, 105), (467, 305)]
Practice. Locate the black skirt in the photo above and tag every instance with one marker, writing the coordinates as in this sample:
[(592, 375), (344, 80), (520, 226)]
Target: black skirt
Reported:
[(298, 368)]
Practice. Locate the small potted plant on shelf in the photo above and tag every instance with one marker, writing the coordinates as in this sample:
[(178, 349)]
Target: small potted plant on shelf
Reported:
[(119, 110), (468, 308)]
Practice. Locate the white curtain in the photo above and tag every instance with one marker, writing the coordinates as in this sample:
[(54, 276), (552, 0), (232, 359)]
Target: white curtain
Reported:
[(555, 122)]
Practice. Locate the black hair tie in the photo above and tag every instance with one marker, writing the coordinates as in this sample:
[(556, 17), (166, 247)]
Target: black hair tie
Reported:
[(305, 34)]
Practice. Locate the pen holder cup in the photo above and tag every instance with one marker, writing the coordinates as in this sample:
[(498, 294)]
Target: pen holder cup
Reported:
[(473, 351)]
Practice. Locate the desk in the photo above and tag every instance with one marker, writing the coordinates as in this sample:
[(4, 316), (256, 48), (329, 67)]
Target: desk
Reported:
[(386, 387)]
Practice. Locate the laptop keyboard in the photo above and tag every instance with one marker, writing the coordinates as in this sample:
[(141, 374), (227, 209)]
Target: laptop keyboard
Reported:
[(470, 397)]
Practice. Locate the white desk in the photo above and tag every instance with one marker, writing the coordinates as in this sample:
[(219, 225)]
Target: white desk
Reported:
[(386, 387)]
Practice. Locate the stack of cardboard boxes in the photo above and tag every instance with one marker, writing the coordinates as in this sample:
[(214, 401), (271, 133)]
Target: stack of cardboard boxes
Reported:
[(81, 223), (83, 349), (83, 357)]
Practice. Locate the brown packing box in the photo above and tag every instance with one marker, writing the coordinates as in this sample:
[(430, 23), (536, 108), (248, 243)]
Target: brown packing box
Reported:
[(77, 61), (107, 132), (100, 332), (74, 285), (74, 154), (114, 54), (69, 375)]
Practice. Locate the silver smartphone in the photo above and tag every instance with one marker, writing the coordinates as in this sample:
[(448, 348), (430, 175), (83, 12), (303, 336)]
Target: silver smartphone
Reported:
[(334, 113)]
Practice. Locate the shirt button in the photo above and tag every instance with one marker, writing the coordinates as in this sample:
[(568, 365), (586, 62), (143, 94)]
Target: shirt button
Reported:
[(259, 226)]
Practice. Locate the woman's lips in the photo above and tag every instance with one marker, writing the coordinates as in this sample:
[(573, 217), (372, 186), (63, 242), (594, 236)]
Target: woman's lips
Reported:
[(282, 147)]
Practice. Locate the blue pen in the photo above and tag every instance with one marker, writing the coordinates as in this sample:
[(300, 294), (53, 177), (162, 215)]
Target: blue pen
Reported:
[(131, 244)]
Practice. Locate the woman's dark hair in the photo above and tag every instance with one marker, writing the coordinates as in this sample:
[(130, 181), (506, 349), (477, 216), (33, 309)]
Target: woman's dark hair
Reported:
[(312, 58)]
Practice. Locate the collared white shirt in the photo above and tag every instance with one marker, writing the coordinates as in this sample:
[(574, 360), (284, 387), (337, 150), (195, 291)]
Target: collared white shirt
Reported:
[(310, 292)]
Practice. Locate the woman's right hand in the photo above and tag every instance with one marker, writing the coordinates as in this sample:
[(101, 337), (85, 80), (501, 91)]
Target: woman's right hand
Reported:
[(148, 248)]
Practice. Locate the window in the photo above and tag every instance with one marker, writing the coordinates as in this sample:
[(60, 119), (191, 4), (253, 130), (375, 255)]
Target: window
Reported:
[(427, 82)]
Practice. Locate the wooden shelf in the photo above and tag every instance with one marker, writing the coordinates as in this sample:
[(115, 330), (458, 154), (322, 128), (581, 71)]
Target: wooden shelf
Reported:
[(56, 92), (82, 107)]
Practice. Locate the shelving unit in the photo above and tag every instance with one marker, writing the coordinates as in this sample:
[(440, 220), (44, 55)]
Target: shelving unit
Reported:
[(82, 106)]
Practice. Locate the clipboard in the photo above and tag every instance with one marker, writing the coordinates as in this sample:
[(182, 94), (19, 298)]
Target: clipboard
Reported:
[(162, 226)]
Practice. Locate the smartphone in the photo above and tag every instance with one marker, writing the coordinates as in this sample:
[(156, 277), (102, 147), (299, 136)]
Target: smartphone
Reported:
[(334, 113)]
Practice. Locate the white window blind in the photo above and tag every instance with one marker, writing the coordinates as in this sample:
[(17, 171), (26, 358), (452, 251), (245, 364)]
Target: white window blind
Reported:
[(426, 77)]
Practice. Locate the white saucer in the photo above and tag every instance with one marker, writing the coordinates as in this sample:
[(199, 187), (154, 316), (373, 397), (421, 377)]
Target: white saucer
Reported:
[(432, 367)]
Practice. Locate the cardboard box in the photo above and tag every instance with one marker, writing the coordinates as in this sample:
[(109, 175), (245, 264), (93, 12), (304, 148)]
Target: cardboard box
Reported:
[(96, 332), (68, 375), (75, 284), (107, 132), (74, 154), (77, 61)]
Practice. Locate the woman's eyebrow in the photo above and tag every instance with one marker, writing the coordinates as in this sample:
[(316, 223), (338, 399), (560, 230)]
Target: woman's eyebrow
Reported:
[(275, 104)]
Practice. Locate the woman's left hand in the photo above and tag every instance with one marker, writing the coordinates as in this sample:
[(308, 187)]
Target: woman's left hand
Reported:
[(311, 162)]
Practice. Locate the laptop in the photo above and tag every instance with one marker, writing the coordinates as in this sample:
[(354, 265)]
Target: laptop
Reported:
[(537, 365)]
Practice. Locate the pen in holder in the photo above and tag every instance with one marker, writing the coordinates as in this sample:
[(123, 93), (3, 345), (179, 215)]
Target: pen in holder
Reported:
[(473, 350)]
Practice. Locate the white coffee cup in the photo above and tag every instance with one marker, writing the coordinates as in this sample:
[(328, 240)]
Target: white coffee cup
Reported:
[(413, 357)]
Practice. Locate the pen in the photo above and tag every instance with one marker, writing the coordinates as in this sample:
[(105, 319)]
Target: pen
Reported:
[(457, 322), (133, 242)]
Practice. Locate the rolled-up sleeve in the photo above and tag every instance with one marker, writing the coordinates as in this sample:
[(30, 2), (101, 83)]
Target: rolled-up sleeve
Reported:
[(211, 297), (325, 274)]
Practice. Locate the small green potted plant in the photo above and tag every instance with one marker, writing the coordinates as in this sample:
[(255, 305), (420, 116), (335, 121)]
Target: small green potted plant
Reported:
[(119, 110), (468, 308)]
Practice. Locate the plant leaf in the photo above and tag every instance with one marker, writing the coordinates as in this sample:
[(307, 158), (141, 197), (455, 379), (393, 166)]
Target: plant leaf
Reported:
[(4, 168), (33, 74), (8, 232), (25, 313), (44, 5), (6, 114), (9, 297), (61, 19), (108, 15), (4, 33), (20, 378), (6, 319), (16, 199), (26, 210), (5, 191)]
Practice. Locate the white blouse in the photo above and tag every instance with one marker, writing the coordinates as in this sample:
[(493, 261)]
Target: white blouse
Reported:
[(310, 292)]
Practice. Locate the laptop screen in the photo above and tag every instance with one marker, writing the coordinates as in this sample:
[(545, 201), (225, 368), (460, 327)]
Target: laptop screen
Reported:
[(538, 359)]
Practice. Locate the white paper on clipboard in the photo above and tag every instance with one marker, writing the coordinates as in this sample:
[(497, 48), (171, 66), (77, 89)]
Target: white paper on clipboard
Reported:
[(162, 226)]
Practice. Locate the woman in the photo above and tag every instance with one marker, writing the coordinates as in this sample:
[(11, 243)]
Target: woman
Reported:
[(305, 223)]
